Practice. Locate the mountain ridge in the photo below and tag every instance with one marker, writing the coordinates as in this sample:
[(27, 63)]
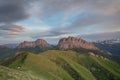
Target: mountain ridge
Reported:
[(32, 44), (73, 42), (112, 45)]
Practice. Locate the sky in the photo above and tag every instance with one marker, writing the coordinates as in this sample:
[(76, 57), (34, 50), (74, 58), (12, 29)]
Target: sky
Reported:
[(28, 20)]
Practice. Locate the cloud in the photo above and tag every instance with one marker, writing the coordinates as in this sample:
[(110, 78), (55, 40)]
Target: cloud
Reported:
[(105, 7), (49, 33), (12, 11), (16, 10), (101, 36), (105, 23), (11, 29), (47, 8), (65, 17), (98, 12)]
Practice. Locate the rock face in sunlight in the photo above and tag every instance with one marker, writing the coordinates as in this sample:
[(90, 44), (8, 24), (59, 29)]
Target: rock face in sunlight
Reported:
[(72, 42), (38, 43)]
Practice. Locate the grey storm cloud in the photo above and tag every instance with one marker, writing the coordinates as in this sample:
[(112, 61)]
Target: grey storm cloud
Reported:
[(103, 7), (11, 29), (12, 11), (16, 10)]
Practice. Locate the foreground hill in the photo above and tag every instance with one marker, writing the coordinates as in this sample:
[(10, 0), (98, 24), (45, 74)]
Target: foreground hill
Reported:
[(66, 65), (12, 74)]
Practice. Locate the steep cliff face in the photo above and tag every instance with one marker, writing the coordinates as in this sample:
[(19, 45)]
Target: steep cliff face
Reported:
[(38, 43), (72, 42)]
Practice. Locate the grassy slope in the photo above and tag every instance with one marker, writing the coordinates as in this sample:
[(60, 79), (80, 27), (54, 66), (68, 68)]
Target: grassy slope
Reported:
[(45, 65), (101, 69), (12, 74), (67, 65), (42, 66), (66, 55), (109, 65)]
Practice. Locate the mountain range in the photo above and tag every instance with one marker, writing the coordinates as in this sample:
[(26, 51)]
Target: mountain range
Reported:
[(41, 45), (112, 45), (70, 59)]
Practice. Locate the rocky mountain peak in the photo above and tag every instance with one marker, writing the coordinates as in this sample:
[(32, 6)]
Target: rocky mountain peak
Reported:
[(73, 42), (41, 43), (31, 44)]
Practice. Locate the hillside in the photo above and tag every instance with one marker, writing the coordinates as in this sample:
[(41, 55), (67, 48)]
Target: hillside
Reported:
[(12, 74), (67, 65), (7, 53)]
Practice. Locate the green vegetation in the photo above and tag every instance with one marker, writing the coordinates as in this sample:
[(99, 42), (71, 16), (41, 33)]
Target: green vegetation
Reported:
[(110, 66), (12, 74), (63, 65), (65, 55), (99, 71)]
